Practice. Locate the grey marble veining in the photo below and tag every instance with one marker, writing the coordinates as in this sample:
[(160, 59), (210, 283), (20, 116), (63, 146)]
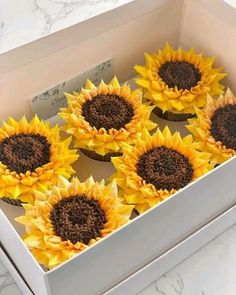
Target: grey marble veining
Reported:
[(231, 2), (27, 20), (210, 271)]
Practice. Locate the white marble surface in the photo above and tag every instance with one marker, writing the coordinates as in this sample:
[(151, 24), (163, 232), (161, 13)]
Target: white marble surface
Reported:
[(22, 21), (210, 271), (231, 2)]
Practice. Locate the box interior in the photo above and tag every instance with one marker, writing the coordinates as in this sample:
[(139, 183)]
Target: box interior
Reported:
[(193, 24), (125, 43), (99, 170)]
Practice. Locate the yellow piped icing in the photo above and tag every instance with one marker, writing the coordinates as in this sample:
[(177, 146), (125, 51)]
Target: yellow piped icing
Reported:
[(173, 99), (48, 248), (134, 189), (102, 141), (200, 128), (22, 185)]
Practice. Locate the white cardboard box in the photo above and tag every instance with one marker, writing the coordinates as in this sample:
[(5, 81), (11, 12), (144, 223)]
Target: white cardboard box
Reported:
[(178, 226)]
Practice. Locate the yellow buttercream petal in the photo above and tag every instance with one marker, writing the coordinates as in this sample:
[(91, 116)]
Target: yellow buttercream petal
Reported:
[(173, 99), (201, 126), (104, 141), (48, 247), (22, 185), (136, 190)]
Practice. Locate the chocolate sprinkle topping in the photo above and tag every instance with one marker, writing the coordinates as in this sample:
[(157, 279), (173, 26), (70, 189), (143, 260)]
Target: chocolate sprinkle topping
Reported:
[(24, 152), (181, 74), (107, 111), (78, 219), (165, 168), (223, 126)]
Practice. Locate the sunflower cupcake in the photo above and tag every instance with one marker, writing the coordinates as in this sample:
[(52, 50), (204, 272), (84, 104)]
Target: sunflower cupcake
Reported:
[(102, 118), (176, 81), (71, 217), (32, 156), (158, 166), (215, 127)]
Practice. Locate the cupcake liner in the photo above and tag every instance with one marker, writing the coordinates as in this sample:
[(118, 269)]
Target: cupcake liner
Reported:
[(134, 213), (46, 269), (14, 202), (93, 155), (172, 116)]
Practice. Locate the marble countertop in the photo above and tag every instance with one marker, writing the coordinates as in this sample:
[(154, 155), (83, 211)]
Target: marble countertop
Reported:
[(231, 2), (210, 271), (23, 21)]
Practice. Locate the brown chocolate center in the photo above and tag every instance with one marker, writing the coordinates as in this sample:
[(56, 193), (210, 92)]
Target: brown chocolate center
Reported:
[(78, 219), (107, 111), (165, 168), (24, 152), (181, 74), (223, 126)]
